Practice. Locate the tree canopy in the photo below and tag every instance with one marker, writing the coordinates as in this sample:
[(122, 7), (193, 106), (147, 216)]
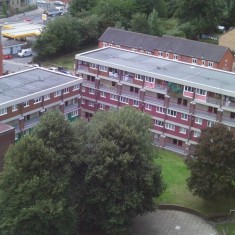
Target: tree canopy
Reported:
[(213, 169), (65, 175)]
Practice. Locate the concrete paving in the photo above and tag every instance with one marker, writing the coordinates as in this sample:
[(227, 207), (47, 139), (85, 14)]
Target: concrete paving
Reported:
[(169, 222)]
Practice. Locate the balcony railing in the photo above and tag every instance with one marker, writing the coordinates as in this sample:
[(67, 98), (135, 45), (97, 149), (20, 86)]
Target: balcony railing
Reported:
[(175, 148), (70, 108), (228, 120), (229, 104), (82, 68), (205, 114), (213, 100), (130, 94), (161, 88), (108, 88), (154, 100), (127, 78), (178, 106), (88, 83), (31, 123)]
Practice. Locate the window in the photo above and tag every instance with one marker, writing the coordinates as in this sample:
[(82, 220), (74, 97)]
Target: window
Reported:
[(203, 62), (3, 111), (76, 87), (74, 113), (196, 134), (102, 94), (118, 46), (136, 103), (175, 57), (184, 116), (66, 90), (103, 68), (93, 66), (57, 93), (47, 97), (188, 88), (159, 123), (102, 106), (148, 106), (160, 110), (91, 103), (113, 97), (38, 100), (160, 54), (26, 103), (194, 61), (167, 55), (170, 126), (105, 44), (149, 79), (124, 100), (210, 123), (83, 101), (183, 130), (83, 89), (171, 113), (139, 77), (200, 92), (14, 108), (91, 91), (148, 53), (210, 64), (198, 120)]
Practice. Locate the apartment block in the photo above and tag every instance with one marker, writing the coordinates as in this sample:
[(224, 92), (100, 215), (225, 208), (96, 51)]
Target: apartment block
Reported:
[(25, 96), (169, 47), (181, 98)]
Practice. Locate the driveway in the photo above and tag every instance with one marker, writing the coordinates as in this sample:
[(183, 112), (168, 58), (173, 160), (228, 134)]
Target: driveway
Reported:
[(169, 222)]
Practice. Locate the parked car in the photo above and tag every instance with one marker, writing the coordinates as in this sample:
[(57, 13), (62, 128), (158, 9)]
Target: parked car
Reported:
[(41, 2), (25, 52), (52, 13), (59, 3)]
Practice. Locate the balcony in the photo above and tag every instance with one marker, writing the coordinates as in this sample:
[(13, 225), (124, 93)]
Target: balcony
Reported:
[(127, 78), (179, 107), (213, 100), (228, 120), (229, 104), (154, 100), (127, 93), (31, 123), (175, 148), (161, 88), (87, 83), (82, 68), (108, 88), (205, 114), (70, 108)]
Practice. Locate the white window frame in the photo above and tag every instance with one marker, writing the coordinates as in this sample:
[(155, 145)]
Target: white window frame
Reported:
[(124, 100), (38, 100), (26, 104), (136, 103), (139, 77), (196, 134), (91, 91), (160, 109), (149, 79), (160, 54), (148, 106), (102, 106), (83, 101), (103, 68), (66, 90), (171, 113), (159, 123), (83, 89), (201, 92), (182, 130), (76, 87), (210, 123), (91, 103), (198, 120), (170, 126), (148, 53), (113, 97), (47, 97), (14, 108), (194, 61), (175, 57), (210, 64), (3, 111), (102, 94), (184, 116), (57, 93), (74, 113), (93, 66), (188, 89), (167, 55)]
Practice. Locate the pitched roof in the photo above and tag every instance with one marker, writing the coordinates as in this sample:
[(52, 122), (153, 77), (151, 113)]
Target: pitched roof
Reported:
[(180, 46)]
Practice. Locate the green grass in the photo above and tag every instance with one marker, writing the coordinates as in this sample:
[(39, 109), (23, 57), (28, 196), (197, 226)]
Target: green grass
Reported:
[(230, 228), (66, 61), (175, 174)]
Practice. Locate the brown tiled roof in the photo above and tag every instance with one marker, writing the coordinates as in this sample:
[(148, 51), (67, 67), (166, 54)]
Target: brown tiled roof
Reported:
[(180, 46)]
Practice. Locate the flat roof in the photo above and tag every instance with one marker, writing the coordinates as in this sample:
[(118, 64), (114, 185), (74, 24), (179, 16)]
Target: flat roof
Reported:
[(32, 83), (5, 127), (213, 80)]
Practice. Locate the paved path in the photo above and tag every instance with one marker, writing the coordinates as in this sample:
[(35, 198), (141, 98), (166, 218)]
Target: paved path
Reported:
[(169, 222)]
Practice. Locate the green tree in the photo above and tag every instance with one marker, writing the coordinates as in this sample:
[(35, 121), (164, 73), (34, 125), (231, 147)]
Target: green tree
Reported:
[(4, 8), (213, 169), (76, 6), (121, 178), (37, 184), (139, 23), (154, 24)]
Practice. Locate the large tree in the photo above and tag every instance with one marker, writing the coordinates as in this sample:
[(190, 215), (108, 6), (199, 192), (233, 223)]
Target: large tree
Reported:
[(36, 186), (121, 178), (213, 169)]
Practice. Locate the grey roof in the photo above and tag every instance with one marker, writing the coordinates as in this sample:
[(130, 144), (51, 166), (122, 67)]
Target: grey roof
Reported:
[(180, 46), (213, 80), (32, 82)]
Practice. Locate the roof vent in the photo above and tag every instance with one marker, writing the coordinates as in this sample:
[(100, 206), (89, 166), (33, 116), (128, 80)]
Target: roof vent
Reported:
[(40, 78)]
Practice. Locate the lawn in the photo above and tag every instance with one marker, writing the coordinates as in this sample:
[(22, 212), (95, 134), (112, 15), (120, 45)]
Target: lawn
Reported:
[(229, 228), (175, 174)]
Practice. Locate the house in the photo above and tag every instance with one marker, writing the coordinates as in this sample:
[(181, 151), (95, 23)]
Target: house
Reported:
[(182, 99), (228, 39), (26, 95), (169, 47)]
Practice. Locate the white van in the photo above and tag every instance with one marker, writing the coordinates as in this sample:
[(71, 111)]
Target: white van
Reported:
[(25, 52), (60, 9)]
